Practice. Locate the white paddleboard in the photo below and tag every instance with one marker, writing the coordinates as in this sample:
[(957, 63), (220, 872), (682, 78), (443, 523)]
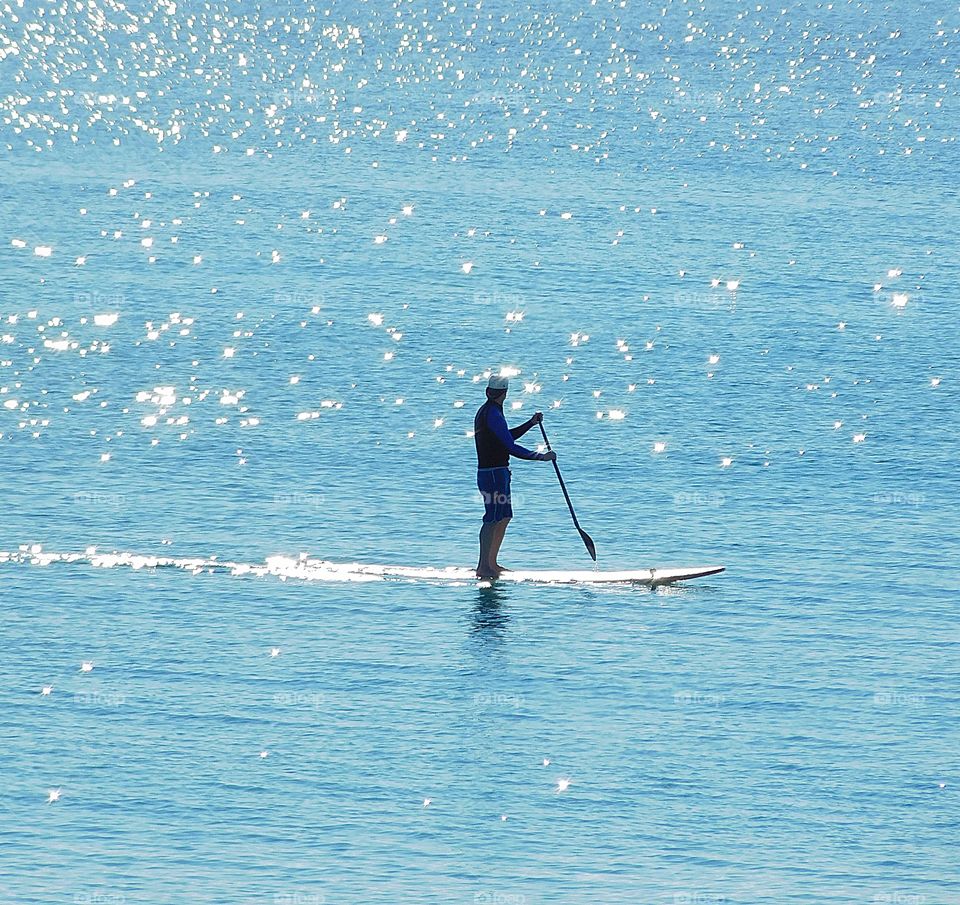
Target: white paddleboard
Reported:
[(650, 577)]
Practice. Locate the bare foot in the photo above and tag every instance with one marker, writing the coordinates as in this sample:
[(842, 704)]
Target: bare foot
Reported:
[(487, 574)]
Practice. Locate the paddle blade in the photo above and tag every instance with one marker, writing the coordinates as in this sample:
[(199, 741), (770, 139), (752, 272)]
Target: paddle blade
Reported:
[(589, 544)]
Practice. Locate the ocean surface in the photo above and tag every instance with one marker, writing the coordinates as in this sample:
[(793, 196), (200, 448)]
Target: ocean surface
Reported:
[(256, 262)]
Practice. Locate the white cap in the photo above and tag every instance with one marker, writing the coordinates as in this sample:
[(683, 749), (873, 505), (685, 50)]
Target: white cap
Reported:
[(497, 382)]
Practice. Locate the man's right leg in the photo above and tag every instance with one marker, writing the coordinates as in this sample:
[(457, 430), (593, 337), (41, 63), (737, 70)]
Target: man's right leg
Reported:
[(500, 529), (486, 568)]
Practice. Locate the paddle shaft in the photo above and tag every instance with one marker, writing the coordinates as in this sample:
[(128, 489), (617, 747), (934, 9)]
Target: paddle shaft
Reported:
[(587, 540)]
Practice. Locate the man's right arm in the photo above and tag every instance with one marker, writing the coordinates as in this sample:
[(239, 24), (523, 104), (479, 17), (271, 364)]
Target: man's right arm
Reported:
[(498, 424)]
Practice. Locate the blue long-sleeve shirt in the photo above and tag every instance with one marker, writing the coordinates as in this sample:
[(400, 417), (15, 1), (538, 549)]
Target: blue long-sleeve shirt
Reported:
[(495, 441)]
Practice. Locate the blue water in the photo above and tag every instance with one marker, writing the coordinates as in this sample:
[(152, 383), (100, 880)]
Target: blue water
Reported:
[(727, 271)]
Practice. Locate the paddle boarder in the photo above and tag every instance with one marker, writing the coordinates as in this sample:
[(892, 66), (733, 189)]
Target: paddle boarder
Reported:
[(495, 444)]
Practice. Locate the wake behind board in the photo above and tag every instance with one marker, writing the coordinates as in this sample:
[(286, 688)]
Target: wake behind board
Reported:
[(303, 568)]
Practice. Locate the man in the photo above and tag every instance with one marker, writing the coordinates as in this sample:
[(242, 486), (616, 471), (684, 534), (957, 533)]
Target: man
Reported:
[(495, 444)]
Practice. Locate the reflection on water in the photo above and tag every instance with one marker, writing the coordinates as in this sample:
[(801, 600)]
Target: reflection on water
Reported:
[(488, 621)]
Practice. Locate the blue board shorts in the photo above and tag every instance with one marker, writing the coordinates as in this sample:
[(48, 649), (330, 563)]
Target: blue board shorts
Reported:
[(494, 486)]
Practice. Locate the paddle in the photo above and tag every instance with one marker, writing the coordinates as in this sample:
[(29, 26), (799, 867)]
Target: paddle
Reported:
[(587, 540)]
